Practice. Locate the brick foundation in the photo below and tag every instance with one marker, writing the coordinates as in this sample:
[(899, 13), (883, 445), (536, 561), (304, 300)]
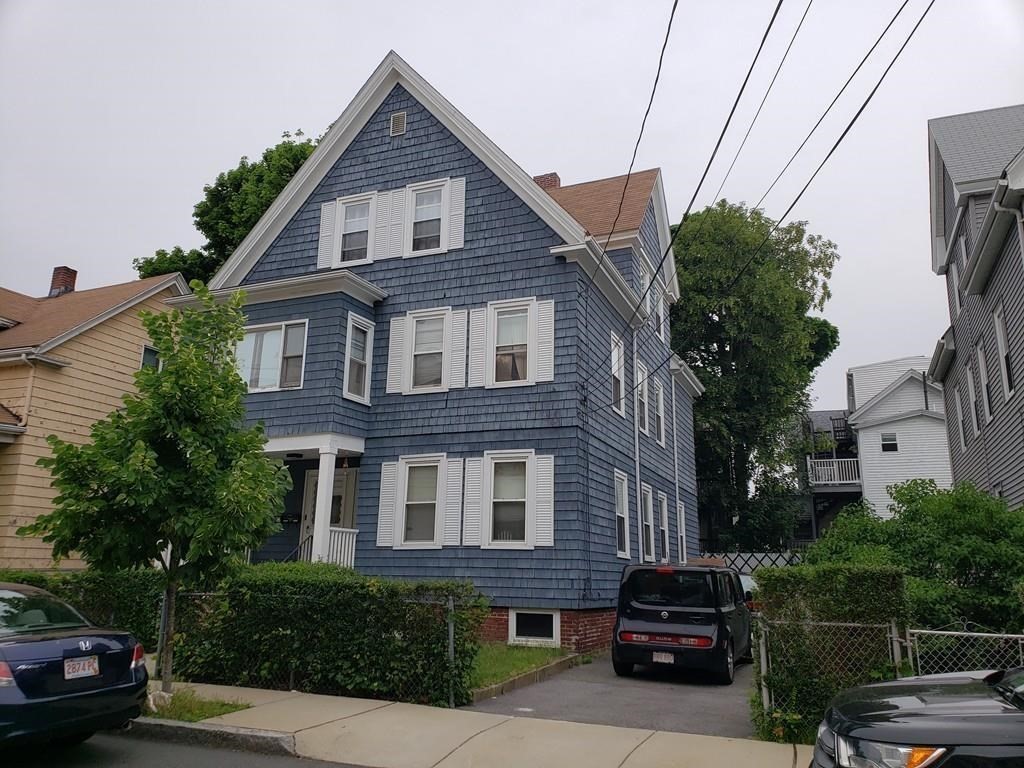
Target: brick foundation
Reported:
[(582, 631)]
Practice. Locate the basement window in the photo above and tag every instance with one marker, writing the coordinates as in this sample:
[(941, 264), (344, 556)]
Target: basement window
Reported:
[(534, 627)]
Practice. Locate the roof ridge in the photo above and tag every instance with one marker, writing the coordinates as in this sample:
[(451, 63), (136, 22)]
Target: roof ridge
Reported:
[(609, 178), (975, 112)]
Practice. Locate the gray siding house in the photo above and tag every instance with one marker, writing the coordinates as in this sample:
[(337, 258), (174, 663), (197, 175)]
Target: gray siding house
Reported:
[(977, 185), (457, 374)]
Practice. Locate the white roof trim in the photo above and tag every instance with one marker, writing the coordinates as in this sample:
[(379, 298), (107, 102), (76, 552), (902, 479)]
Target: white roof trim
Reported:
[(942, 357), (857, 415), (664, 237), (393, 70), (313, 284), (684, 374), (608, 278), (325, 442), (939, 416), (988, 245), (174, 281), (19, 354)]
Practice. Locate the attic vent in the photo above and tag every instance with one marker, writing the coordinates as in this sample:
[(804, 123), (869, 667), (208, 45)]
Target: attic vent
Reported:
[(397, 123)]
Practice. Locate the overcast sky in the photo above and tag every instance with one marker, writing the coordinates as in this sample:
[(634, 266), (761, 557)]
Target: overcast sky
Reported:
[(114, 114)]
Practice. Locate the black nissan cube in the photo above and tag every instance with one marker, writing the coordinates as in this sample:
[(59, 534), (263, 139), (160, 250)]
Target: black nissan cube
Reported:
[(682, 616)]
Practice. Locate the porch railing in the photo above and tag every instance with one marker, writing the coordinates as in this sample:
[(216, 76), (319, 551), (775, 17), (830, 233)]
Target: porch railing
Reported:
[(341, 547), (833, 471)]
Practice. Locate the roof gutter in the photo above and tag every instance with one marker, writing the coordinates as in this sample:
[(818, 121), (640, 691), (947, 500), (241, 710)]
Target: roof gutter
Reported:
[(942, 357), (25, 354), (988, 245)]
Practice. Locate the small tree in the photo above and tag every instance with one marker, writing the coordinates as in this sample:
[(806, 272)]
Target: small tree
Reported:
[(173, 477)]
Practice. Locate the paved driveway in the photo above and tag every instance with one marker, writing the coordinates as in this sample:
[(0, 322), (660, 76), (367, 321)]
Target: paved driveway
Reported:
[(686, 702)]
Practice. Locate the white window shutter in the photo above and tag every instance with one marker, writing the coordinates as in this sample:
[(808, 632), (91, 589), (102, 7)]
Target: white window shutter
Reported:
[(396, 238), (396, 356), (325, 248), (472, 518), (477, 346), (388, 500), (545, 341), (452, 503), (544, 527), (457, 213), (382, 226), (457, 351)]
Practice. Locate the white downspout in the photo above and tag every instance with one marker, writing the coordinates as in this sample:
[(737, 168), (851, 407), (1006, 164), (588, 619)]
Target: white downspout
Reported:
[(23, 420), (636, 457), (680, 535)]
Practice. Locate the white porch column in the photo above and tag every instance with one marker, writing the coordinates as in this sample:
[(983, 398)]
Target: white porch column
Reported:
[(324, 493)]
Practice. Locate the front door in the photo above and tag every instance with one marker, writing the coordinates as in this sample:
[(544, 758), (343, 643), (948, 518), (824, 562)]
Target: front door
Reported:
[(343, 500)]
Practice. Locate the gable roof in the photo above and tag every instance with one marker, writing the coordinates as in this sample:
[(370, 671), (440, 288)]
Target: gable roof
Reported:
[(977, 146), (15, 307), (594, 204), (858, 416), (47, 322)]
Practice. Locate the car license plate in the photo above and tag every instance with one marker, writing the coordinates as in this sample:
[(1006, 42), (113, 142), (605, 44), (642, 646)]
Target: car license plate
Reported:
[(663, 658), (84, 666)]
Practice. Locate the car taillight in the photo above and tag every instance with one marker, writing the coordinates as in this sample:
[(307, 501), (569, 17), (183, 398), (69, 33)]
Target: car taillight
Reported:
[(686, 641), (138, 656), (6, 676)]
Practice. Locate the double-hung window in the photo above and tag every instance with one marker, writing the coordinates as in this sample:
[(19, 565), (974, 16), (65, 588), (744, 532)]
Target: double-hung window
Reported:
[(427, 204), (986, 387), (428, 351), (641, 397), (511, 344), (358, 357), (356, 242), (621, 514), (271, 357), (647, 523), (644, 278), (954, 279), (659, 413), (508, 500), (1003, 346), (658, 307), (681, 530), (421, 502), (663, 526), (972, 401), (960, 419), (618, 363)]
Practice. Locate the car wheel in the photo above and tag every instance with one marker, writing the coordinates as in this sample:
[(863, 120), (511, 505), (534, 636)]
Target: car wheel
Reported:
[(726, 671), (622, 669), (73, 739)]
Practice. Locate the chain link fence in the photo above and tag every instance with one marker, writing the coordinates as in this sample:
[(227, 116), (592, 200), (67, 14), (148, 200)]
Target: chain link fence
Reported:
[(414, 649), (938, 651)]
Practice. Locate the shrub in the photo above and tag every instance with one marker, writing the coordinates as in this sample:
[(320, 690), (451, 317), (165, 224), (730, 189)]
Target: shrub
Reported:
[(321, 629), (809, 664), (126, 599)]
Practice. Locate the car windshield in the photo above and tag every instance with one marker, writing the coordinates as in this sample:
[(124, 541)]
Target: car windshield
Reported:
[(1011, 685), (32, 612), (686, 589)]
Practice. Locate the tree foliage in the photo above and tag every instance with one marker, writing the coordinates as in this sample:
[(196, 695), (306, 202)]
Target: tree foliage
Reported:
[(754, 345), (962, 551), (173, 477), (230, 207)]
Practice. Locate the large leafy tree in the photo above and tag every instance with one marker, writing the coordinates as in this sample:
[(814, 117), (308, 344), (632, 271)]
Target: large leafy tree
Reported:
[(173, 477), (230, 207), (755, 343)]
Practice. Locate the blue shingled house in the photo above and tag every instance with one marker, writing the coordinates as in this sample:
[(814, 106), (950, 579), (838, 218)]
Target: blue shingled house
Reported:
[(448, 366)]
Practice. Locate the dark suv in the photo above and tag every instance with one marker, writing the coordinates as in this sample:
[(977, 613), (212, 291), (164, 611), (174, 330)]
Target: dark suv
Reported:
[(682, 616)]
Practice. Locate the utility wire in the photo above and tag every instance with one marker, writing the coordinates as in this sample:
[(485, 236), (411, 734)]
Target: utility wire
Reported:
[(792, 205)]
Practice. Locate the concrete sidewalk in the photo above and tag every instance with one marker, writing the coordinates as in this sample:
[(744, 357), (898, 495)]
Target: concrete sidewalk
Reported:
[(381, 734)]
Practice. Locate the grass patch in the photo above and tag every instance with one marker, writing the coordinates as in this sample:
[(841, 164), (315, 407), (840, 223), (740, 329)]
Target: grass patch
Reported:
[(185, 705), (497, 662)]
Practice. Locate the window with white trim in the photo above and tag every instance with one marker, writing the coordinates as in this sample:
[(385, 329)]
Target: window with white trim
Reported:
[(963, 251), (618, 364), (659, 413), (645, 285), (663, 526), (421, 502), (972, 401), (355, 224), (1003, 347), (641, 397), (509, 503), (954, 279), (621, 514), (427, 230), (512, 343), (986, 386), (426, 359), (681, 531), (658, 310), (358, 358), (960, 419), (270, 357), (647, 523), (534, 627), (890, 444)]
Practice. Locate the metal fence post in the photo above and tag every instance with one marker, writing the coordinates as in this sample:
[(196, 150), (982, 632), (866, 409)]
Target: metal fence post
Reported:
[(451, 652), (897, 655), (763, 654), (162, 625)]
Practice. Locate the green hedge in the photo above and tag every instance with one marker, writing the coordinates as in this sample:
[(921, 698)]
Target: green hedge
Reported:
[(321, 629), (128, 599), (811, 664)]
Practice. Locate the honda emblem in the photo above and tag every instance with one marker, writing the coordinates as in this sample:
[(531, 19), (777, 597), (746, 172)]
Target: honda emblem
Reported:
[(85, 645), (664, 615)]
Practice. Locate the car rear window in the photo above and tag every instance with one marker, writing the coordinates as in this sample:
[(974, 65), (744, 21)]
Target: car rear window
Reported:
[(686, 589), (21, 612)]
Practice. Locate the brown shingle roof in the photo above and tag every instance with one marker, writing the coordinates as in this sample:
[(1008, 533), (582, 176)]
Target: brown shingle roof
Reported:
[(594, 203), (8, 418), (54, 317)]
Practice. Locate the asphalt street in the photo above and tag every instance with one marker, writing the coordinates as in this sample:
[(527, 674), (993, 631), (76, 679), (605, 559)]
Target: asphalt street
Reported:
[(665, 700)]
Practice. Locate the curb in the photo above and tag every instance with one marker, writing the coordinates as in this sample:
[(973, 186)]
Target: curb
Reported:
[(527, 678), (249, 739)]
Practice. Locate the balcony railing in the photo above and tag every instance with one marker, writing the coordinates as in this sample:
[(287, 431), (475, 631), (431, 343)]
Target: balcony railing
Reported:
[(833, 471), (341, 547)]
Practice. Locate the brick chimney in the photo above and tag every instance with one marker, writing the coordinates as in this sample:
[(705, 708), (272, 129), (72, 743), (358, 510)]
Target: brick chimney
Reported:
[(63, 281), (548, 180)]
